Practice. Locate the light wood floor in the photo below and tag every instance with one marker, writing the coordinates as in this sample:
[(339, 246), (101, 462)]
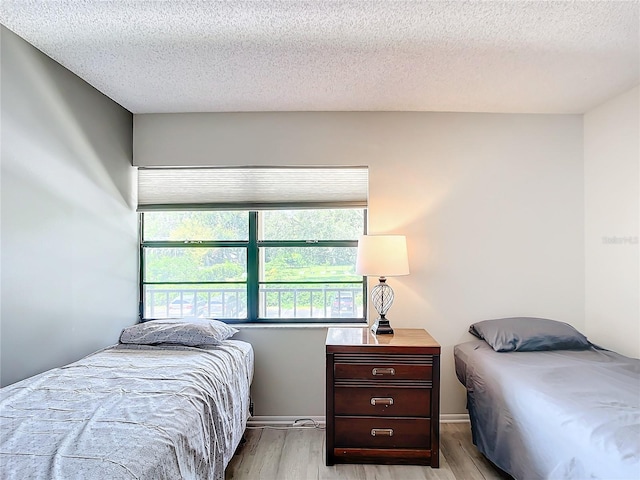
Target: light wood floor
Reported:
[(298, 454)]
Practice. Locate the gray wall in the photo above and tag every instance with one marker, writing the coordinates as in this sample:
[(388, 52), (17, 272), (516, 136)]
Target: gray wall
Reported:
[(612, 223), (69, 228), (492, 206)]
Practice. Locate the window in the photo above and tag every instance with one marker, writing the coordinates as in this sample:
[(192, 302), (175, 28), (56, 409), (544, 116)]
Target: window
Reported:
[(252, 244), (284, 265)]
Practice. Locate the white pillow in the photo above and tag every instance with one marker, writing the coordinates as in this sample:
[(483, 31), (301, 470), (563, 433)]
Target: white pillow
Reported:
[(192, 332)]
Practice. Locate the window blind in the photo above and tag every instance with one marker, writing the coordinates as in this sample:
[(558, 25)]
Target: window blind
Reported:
[(260, 188)]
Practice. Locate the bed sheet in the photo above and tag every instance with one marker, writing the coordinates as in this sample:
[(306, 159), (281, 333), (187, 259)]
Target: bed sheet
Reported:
[(129, 411), (570, 414)]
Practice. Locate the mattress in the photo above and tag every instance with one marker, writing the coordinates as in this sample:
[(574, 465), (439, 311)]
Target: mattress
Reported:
[(570, 414), (129, 411)]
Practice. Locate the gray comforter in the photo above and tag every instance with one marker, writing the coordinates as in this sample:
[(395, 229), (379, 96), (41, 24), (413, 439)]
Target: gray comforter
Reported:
[(566, 414), (129, 412)]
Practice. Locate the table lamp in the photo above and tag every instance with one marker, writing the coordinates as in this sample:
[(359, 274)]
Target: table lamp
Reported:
[(382, 256)]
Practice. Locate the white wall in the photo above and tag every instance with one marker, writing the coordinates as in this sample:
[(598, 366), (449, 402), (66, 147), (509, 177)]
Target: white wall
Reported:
[(69, 228), (612, 218), (492, 206)]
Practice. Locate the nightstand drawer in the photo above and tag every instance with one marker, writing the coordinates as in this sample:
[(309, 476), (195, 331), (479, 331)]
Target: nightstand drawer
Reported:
[(383, 401), (382, 432), (382, 371)]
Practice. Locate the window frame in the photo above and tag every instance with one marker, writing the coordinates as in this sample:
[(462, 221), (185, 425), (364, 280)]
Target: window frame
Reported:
[(253, 282)]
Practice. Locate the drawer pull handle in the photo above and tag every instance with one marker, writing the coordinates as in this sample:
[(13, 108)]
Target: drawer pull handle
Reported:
[(383, 371), (382, 401), (382, 432)]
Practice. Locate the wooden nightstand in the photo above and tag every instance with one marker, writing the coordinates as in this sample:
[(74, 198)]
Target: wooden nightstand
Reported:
[(383, 397)]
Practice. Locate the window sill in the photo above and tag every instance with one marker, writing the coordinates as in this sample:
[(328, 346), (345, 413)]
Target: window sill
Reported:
[(242, 326)]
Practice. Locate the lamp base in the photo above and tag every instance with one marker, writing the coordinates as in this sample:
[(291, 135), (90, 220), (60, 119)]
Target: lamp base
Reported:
[(382, 327)]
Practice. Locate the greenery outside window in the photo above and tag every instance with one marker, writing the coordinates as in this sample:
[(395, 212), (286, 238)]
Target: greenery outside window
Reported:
[(283, 265)]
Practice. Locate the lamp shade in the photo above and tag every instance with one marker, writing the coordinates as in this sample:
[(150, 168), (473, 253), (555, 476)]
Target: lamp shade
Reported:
[(382, 256)]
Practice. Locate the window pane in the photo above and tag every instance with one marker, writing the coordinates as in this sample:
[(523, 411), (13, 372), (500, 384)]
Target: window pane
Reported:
[(311, 301), (195, 264), (205, 301), (313, 280), (195, 225), (338, 224), (300, 264)]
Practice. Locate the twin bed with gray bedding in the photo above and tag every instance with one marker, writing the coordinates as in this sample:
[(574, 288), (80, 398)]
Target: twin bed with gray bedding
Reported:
[(143, 411), (542, 412)]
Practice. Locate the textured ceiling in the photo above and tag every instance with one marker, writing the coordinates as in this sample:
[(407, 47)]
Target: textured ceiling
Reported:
[(205, 56)]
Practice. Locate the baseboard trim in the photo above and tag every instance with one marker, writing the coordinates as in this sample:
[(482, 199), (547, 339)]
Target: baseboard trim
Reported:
[(282, 420), (454, 418), (287, 420)]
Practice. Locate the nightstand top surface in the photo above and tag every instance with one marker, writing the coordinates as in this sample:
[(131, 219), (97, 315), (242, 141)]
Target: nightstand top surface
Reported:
[(363, 337)]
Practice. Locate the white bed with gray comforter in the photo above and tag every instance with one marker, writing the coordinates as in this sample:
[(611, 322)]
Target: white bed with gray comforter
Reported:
[(544, 409), (131, 411)]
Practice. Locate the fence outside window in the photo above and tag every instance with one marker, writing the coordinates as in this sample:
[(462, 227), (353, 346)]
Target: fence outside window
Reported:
[(230, 304)]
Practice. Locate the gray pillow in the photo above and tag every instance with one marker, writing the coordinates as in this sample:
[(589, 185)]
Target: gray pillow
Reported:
[(192, 332), (527, 334)]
